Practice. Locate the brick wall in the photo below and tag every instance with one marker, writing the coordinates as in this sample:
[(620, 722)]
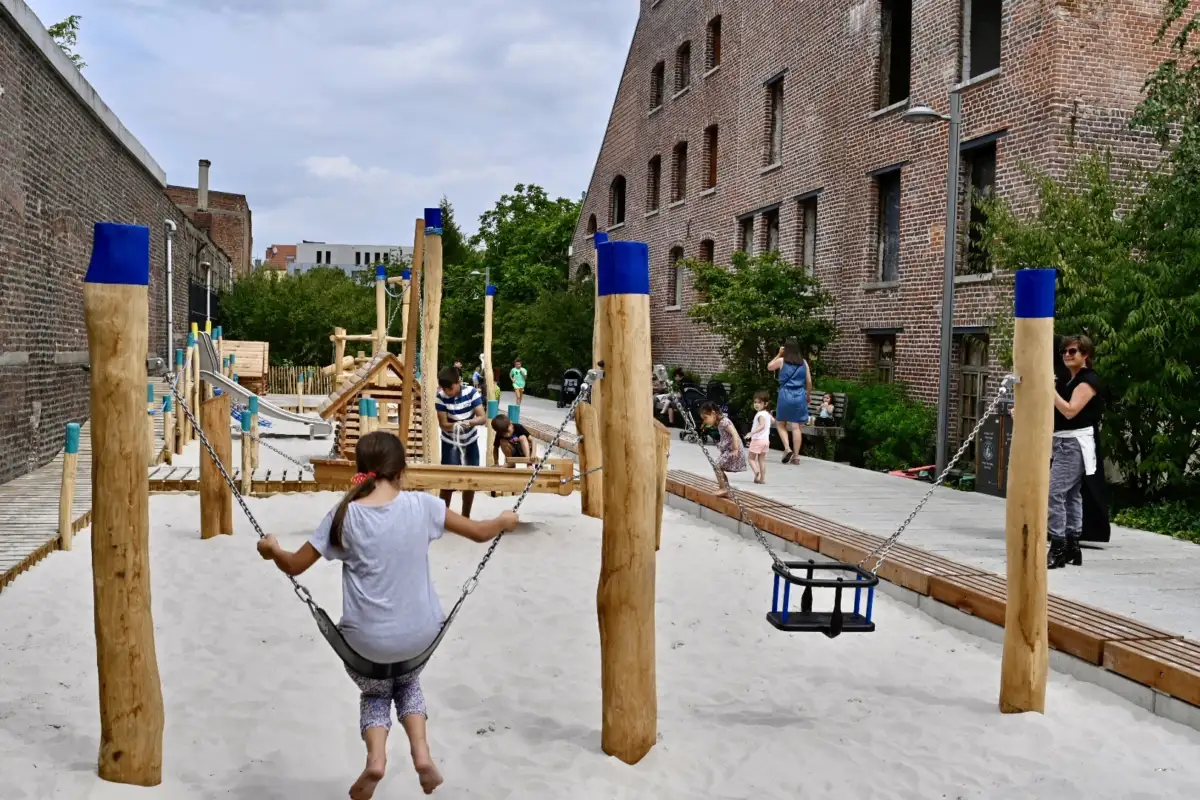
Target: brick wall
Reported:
[(228, 222), (1070, 75), (61, 170)]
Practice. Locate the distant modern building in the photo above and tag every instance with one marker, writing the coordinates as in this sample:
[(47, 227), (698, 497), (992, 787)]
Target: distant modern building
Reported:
[(224, 216), (350, 258)]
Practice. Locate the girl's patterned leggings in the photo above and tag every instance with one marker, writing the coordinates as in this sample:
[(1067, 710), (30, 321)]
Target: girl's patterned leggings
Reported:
[(378, 694)]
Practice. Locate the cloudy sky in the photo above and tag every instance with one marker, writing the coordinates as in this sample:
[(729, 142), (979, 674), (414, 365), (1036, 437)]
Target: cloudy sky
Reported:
[(341, 119)]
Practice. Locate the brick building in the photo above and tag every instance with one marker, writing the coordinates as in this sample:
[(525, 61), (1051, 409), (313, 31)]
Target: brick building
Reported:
[(280, 257), (751, 125), (66, 162), (224, 216)]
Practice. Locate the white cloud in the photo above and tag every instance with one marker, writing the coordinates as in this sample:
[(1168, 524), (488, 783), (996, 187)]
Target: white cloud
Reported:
[(340, 119)]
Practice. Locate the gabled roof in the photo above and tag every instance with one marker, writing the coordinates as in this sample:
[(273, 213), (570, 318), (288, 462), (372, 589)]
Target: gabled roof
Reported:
[(364, 377)]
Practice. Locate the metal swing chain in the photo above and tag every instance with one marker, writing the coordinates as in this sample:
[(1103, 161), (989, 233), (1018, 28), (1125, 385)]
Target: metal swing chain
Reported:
[(261, 441), (692, 431), (473, 582), (301, 591), (579, 477), (880, 552)]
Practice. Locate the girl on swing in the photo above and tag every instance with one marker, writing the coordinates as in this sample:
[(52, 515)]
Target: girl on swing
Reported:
[(390, 609)]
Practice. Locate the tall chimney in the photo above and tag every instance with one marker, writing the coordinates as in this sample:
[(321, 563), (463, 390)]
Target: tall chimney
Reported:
[(202, 192)]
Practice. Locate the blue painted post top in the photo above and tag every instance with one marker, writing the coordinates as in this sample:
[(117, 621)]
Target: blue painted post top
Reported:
[(149, 392), (406, 274), (599, 239), (225, 362), (232, 359), (254, 404), (234, 377), (245, 423), (168, 404), (622, 268), (491, 290), (380, 272), (374, 408), (72, 437), (493, 409), (362, 407), (216, 332), (192, 339), (433, 221), (179, 357), (120, 254), (1033, 293), (514, 414)]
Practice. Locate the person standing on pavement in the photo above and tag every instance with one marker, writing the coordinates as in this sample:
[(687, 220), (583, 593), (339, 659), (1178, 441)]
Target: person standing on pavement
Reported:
[(1077, 409)]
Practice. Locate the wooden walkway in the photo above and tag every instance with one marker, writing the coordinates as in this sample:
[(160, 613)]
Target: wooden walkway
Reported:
[(29, 505)]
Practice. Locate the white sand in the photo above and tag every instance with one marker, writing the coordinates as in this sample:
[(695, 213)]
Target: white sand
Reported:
[(258, 707)]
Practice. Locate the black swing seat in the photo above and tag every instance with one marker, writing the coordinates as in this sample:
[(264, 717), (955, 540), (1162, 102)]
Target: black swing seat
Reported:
[(370, 669), (832, 623)]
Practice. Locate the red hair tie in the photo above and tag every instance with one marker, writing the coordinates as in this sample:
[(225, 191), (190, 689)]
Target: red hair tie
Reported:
[(362, 477)]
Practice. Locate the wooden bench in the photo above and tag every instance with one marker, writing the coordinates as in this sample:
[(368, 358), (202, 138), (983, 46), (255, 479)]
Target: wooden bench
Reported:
[(833, 431)]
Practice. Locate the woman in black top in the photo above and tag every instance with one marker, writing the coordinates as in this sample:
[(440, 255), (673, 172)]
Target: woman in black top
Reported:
[(1077, 407)]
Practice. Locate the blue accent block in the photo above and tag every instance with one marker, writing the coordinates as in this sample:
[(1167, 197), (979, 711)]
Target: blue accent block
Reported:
[(870, 602), (787, 601), (233, 376), (72, 437), (232, 359), (216, 332), (179, 357), (217, 392), (433, 220), (225, 362), (493, 410), (253, 404), (599, 239), (775, 595), (120, 254), (380, 273), (149, 392), (623, 268), (406, 274), (191, 340), (373, 408), (491, 290), (245, 423), (1034, 293), (168, 404), (514, 414), (362, 407)]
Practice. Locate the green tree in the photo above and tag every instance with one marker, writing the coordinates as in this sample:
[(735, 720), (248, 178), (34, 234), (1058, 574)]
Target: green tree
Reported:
[(753, 306), (66, 36)]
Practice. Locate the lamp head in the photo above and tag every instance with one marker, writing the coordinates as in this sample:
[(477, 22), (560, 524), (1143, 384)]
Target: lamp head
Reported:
[(922, 115)]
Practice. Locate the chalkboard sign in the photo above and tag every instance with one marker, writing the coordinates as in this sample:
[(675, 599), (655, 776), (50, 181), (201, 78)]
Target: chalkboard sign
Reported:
[(990, 456)]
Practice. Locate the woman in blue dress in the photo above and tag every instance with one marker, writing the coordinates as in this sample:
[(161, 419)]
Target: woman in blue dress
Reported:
[(795, 384)]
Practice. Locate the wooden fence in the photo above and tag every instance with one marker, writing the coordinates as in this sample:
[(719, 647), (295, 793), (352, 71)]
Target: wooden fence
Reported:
[(283, 380)]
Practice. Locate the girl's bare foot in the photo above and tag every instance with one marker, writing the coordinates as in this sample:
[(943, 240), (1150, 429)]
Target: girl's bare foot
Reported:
[(364, 787), (428, 774), (722, 493)]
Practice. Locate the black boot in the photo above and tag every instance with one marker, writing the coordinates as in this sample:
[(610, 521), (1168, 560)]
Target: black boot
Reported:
[(1057, 557), (1074, 553)]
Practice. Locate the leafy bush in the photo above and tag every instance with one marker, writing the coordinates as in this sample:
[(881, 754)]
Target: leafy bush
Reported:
[(1172, 517), (885, 428)]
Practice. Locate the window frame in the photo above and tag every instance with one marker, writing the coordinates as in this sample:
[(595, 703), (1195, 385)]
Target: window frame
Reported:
[(773, 126), (683, 67), (679, 168), (713, 44), (613, 218), (882, 225)]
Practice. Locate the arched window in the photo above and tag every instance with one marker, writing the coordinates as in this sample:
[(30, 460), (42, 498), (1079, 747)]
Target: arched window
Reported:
[(679, 173), (675, 278), (657, 79), (683, 67), (707, 250), (616, 201), (583, 273), (591, 225), (712, 55)]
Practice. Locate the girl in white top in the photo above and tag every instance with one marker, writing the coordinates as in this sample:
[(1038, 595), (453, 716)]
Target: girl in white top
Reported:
[(759, 437)]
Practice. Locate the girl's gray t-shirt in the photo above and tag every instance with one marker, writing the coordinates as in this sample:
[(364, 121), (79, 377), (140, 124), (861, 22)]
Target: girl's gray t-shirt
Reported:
[(390, 610)]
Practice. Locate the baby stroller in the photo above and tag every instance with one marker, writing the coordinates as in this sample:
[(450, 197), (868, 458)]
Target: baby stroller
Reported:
[(571, 381), (692, 398)]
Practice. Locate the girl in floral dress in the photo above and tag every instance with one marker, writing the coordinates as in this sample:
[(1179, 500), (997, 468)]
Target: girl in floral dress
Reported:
[(732, 457)]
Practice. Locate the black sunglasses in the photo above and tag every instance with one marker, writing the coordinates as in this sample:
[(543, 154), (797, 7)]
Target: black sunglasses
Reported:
[(1071, 351)]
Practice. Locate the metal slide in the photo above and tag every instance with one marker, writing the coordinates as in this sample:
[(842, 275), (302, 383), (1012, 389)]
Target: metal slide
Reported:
[(273, 420)]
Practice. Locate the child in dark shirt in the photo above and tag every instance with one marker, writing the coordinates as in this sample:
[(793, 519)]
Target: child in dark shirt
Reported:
[(512, 433)]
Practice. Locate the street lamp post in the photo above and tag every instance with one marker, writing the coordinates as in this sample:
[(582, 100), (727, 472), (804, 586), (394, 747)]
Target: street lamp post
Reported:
[(923, 114)]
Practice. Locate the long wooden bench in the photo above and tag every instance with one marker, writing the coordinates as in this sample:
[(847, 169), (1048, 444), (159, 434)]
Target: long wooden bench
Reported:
[(1164, 661)]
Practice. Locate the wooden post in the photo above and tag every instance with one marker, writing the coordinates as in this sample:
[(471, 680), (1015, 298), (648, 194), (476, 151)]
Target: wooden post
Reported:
[(300, 394), (1025, 663), (66, 496), (432, 282), (252, 410), (214, 418), (662, 449), (233, 367), (339, 353), (181, 424), (380, 343), (598, 239), (489, 376), (591, 457), (625, 596), (116, 310), (168, 412), (404, 300), (247, 456), (412, 333)]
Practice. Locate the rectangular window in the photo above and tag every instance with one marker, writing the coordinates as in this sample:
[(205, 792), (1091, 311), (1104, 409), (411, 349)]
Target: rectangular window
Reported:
[(884, 355), (675, 278), (980, 168), (711, 141), (679, 181), (387, 257), (657, 78), (328, 260), (707, 251), (981, 36), (318, 256), (808, 233), (683, 67), (771, 220), (358, 258), (895, 50), (377, 259), (972, 383), (746, 235), (888, 226), (653, 183), (712, 58), (774, 123)]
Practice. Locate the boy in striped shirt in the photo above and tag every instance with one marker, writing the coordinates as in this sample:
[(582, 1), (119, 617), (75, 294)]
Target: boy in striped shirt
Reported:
[(460, 415)]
